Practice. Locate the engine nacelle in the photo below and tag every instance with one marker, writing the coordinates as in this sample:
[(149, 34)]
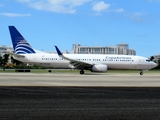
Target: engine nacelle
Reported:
[(99, 68)]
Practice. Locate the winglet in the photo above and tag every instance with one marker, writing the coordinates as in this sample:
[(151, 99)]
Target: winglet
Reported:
[(58, 51)]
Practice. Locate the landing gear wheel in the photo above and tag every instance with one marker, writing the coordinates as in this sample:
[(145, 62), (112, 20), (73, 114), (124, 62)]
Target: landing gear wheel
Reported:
[(81, 72), (141, 73)]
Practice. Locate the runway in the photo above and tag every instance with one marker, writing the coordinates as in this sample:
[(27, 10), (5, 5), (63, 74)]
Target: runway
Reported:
[(72, 96), (100, 80)]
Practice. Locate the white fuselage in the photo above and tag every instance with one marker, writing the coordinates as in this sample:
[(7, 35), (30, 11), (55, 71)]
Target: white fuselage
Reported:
[(112, 61)]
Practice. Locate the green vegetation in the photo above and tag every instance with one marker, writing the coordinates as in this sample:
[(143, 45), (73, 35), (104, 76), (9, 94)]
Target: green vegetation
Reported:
[(4, 61)]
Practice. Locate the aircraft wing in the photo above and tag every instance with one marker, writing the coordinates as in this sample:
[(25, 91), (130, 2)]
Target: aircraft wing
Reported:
[(77, 64)]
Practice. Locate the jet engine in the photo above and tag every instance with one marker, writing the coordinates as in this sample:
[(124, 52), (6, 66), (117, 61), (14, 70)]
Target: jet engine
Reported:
[(99, 68)]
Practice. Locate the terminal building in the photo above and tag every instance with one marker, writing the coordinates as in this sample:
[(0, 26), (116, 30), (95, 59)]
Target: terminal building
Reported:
[(121, 49)]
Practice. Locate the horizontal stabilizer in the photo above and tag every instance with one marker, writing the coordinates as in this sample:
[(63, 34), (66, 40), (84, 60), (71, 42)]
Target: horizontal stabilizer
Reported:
[(11, 53)]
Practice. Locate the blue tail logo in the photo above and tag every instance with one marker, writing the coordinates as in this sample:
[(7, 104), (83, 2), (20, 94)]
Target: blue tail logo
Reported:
[(20, 45)]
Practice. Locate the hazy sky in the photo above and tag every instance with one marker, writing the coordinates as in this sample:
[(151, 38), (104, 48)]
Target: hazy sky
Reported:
[(45, 23)]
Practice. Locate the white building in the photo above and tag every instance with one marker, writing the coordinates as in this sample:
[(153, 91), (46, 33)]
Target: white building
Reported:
[(3, 48), (122, 49)]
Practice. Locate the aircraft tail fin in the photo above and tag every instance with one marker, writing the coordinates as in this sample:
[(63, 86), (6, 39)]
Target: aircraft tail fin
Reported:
[(20, 45)]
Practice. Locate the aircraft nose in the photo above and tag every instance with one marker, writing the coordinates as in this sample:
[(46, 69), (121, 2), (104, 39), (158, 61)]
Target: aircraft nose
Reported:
[(154, 64)]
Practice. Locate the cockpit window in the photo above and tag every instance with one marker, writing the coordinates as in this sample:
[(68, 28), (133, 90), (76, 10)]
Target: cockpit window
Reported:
[(148, 60)]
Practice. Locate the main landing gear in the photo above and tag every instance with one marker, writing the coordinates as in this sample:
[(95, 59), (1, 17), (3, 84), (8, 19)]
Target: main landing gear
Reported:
[(82, 72), (49, 70), (141, 72)]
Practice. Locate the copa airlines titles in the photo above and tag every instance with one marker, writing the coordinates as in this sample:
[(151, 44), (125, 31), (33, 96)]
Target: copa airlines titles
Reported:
[(119, 58)]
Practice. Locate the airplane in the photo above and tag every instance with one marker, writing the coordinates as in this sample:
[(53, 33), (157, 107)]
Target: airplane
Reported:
[(93, 62)]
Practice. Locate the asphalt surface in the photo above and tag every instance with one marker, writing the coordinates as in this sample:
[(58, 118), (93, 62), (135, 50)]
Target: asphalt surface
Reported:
[(79, 103)]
